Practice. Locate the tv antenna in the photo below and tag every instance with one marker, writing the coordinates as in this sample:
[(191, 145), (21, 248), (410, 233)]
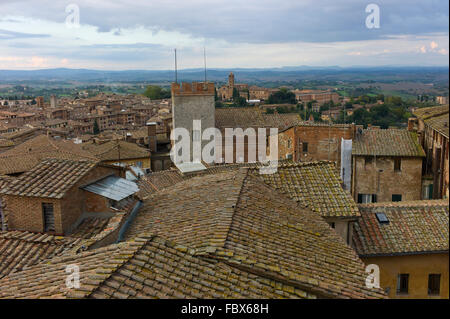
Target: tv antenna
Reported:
[(204, 61), (176, 74)]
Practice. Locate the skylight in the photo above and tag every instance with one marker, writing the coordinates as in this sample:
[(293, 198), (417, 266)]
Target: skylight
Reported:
[(382, 219)]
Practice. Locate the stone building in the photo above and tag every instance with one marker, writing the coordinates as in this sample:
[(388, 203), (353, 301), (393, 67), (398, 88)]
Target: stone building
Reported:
[(119, 152), (305, 96), (193, 102), (306, 142), (387, 166), (432, 127), (226, 92), (408, 241), (249, 118)]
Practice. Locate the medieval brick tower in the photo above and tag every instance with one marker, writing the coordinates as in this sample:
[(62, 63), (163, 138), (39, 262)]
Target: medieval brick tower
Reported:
[(193, 102)]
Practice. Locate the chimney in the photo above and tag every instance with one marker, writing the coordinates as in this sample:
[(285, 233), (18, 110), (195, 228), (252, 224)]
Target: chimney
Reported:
[(152, 136), (411, 124)]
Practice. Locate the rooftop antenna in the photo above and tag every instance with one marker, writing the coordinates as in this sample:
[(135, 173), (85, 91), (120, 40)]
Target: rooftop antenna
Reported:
[(204, 60), (176, 74)]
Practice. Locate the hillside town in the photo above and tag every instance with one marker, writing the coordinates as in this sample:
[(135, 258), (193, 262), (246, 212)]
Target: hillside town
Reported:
[(92, 182)]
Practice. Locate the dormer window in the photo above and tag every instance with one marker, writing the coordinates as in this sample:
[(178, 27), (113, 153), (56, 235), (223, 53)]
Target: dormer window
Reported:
[(382, 218)]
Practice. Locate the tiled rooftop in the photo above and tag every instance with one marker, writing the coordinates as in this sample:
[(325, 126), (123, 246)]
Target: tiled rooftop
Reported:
[(313, 185), (114, 150), (414, 227), (387, 142), (436, 117), (427, 112), (149, 267), (245, 117), (28, 154), (21, 249), (52, 178), (235, 216)]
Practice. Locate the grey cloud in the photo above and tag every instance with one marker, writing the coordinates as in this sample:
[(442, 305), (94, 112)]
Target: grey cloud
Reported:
[(8, 35), (261, 21)]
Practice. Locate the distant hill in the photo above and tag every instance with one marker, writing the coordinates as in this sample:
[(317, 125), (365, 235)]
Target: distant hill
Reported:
[(289, 73)]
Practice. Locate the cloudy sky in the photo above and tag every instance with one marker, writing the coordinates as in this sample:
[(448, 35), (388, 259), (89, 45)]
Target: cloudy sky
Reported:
[(124, 34)]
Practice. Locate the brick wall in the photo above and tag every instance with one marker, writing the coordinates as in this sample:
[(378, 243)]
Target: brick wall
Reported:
[(73, 204), (25, 213), (324, 142), (379, 177)]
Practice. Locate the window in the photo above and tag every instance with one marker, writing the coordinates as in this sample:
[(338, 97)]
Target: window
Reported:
[(305, 147), (402, 283), (368, 160), (397, 164), (434, 284), (333, 225), (428, 192), (396, 197), (382, 218), (48, 216), (289, 143), (367, 198), (139, 164)]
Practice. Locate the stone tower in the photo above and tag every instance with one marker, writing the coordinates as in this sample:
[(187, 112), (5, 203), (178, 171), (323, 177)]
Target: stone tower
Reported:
[(193, 102), (231, 80)]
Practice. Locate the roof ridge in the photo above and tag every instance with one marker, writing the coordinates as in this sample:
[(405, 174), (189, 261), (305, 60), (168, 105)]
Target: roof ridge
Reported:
[(243, 182), (411, 203)]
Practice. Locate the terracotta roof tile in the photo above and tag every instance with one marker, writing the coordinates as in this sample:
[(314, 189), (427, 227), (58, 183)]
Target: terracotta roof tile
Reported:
[(149, 267), (236, 217), (245, 117), (387, 142), (114, 150), (52, 178), (414, 227), (21, 249), (436, 117), (28, 154), (314, 185)]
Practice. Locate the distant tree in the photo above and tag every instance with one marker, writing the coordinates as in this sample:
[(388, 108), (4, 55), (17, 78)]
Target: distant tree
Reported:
[(283, 96), (219, 104), (240, 101), (235, 94), (155, 92), (96, 128)]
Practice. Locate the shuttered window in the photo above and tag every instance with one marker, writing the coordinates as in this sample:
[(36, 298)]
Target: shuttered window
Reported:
[(49, 217), (434, 284)]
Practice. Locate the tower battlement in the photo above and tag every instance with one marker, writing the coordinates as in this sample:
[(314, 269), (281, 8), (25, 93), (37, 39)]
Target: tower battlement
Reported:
[(194, 88)]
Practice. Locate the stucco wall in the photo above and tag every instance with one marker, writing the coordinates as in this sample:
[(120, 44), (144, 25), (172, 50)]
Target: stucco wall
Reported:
[(418, 267)]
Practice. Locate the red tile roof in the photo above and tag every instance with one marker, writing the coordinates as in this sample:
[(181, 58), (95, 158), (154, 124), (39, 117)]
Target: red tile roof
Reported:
[(414, 227)]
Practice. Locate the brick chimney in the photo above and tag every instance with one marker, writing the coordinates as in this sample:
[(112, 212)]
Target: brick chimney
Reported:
[(411, 124), (152, 136)]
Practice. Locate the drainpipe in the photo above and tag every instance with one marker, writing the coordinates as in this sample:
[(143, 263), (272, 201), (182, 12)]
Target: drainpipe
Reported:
[(2, 217), (128, 222)]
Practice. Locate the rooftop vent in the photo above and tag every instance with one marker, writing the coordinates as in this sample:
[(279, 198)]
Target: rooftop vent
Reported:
[(382, 219)]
